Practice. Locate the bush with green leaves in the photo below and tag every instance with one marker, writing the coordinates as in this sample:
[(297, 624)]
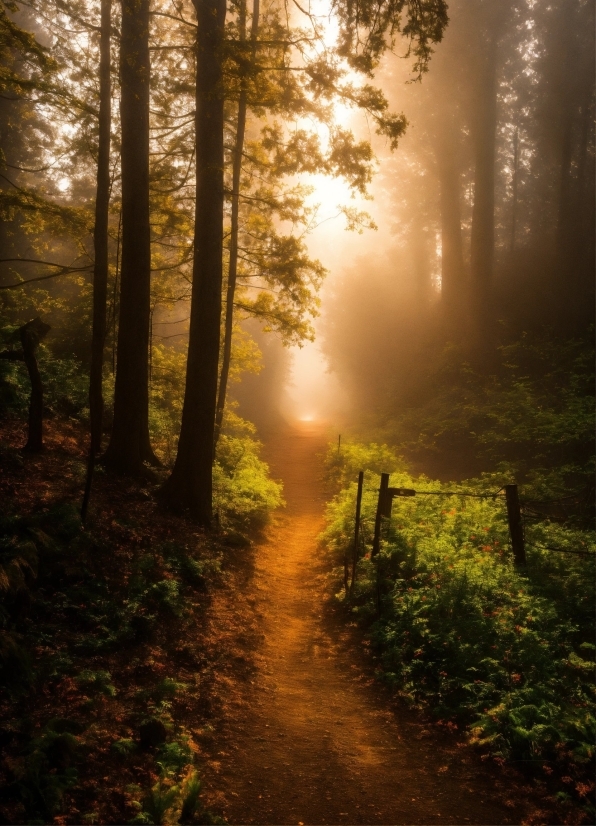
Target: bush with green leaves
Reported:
[(244, 494), (528, 412), (176, 796), (45, 772), (96, 682), (459, 630), (65, 384)]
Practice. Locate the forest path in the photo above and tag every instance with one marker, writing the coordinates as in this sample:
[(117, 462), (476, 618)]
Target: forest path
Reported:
[(308, 736)]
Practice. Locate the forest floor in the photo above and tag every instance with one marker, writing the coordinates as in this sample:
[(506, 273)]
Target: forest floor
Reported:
[(313, 737), (274, 692)]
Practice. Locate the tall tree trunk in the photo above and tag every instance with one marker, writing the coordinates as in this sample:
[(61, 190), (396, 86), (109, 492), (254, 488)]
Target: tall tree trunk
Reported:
[(100, 242), (421, 263), (453, 276), (565, 218), (483, 214), (586, 204), (191, 484), (115, 295), (514, 188), (100, 235), (130, 446), (233, 265), (575, 226)]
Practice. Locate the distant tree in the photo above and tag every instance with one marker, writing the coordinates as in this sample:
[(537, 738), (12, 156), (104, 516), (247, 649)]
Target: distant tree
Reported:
[(101, 248), (489, 31), (235, 210), (570, 42), (100, 235), (448, 150)]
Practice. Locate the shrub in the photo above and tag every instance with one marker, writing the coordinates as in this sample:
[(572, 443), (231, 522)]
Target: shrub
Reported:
[(243, 492), (508, 653)]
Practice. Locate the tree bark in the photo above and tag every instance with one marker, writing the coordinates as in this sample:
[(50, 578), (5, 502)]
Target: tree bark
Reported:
[(191, 484), (483, 214), (129, 445), (100, 242), (233, 265), (100, 235), (574, 288)]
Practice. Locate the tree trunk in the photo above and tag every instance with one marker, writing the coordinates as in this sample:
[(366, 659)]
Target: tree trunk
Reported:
[(514, 189), (565, 218), (30, 335), (421, 263), (100, 235), (483, 214), (586, 203), (100, 241), (191, 484), (130, 446), (233, 265), (453, 281)]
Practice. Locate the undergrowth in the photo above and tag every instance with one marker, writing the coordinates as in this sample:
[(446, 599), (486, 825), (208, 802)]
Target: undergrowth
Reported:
[(67, 621), (506, 653), (244, 493), (101, 663)]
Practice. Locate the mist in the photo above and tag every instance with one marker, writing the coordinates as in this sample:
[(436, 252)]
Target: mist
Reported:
[(475, 230), (484, 216)]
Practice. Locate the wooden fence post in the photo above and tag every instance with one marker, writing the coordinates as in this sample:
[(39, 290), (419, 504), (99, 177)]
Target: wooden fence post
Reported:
[(516, 530), (357, 527), (381, 511)]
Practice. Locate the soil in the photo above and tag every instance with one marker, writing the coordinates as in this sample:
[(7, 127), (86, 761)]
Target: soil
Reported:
[(309, 736)]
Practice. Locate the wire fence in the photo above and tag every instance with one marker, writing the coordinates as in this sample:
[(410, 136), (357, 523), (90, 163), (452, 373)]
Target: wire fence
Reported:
[(520, 512)]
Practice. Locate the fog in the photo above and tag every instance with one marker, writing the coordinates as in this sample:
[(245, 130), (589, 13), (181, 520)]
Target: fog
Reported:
[(478, 229), (484, 214)]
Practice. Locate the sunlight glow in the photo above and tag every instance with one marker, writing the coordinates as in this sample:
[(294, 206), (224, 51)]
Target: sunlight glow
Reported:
[(328, 194), (313, 394), (327, 191)]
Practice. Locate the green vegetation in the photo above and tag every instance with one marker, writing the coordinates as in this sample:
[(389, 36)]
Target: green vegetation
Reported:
[(528, 414), (93, 626), (459, 631), (244, 494)]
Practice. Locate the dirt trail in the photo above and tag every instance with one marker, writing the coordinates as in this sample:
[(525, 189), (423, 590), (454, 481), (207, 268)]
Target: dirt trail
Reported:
[(310, 738)]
